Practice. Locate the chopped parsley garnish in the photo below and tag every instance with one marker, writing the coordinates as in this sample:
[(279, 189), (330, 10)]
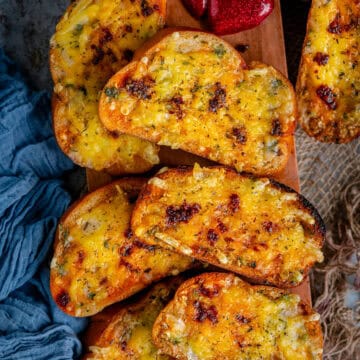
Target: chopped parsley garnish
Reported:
[(112, 92), (91, 295), (219, 50)]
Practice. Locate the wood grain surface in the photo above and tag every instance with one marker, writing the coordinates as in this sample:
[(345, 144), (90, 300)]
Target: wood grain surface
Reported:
[(264, 43)]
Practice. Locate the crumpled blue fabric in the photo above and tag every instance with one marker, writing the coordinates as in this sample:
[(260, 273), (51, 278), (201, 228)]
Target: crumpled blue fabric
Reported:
[(31, 201)]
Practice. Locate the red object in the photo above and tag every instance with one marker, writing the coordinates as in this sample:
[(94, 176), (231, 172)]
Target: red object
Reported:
[(196, 8), (231, 16)]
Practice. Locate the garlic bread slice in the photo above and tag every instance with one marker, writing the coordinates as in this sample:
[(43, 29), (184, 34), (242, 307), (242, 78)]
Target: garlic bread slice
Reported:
[(93, 40), (328, 85), (255, 227), (97, 261), (193, 91), (123, 331), (218, 316)]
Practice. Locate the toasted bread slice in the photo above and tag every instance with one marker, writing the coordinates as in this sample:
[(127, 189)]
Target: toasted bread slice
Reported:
[(218, 316), (328, 86), (93, 40), (193, 91), (97, 261), (255, 227), (123, 331)]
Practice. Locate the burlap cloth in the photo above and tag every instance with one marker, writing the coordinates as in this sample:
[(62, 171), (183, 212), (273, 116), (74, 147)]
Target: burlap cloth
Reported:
[(329, 174)]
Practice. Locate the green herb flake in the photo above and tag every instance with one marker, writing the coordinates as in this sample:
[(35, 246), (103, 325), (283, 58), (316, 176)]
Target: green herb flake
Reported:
[(272, 146), (91, 295), (78, 29), (64, 234), (61, 269), (220, 51), (276, 83), (111, 92), (174, 341), (195, 88)]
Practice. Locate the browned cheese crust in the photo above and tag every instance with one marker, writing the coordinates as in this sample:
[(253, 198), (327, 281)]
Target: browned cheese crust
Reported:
[(97, 261), (193, 91), (253, 226), (328, 86), (218, 316), (123, 331), (93, 40)]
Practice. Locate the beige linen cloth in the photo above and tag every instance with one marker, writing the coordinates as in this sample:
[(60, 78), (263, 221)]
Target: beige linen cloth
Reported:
[(330, 179)]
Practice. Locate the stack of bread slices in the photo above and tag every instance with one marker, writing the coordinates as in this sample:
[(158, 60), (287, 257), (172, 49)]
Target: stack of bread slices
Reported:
[(224, 238)]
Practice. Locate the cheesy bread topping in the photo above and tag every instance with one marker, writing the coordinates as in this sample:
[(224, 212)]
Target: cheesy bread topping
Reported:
[(97, 261), (193, 91), (127, 335), (328, 87), (218, 316), (93, 40), (253, 226)]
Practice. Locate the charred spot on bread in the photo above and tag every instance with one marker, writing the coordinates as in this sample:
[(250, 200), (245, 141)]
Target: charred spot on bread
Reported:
[(182, 213), (219, 99), (212, 236), (62, 299), (240, 134), (234, 203), (175, 106), (146, 9), (276, 128), (337, 26), (202, 312), (321, 58), (327, 96), (140, 88)]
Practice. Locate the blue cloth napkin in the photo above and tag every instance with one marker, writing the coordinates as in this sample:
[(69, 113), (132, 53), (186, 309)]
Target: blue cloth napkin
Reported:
[(31, 202)]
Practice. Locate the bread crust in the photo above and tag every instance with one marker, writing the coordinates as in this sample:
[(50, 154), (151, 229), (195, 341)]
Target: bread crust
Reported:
[(218, 316), (218, 115), (97, 261), (123, 331), (256, 227), (328, 81), (92, 41)]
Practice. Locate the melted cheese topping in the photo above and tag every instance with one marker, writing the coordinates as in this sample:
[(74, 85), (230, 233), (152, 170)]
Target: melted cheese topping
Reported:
[(95, 264), (243, 224), (238, 321), (331, 58), (128, 335), (92, 41), (200, 99)]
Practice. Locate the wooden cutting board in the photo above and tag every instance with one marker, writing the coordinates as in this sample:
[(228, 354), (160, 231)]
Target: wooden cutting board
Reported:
[(264, 43)]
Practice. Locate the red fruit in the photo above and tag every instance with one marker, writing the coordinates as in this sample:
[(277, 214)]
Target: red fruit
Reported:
[(231, 16), (196, 8)]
